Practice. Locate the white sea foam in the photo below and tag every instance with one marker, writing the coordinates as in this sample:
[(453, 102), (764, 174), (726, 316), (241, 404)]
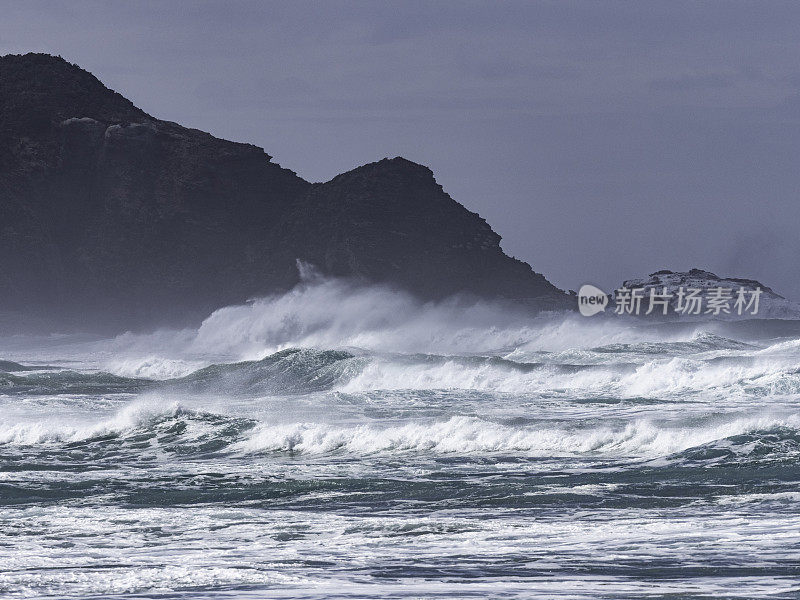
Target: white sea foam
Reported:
[(415, 454), (675, 377), (333, 313), (152, 367), (59, 428), (640, 438)]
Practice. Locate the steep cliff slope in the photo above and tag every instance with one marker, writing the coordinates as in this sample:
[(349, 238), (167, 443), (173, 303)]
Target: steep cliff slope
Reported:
[(108, 215)]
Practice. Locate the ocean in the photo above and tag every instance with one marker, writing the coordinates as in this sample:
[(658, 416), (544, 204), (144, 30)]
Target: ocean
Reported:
[(355, 443)]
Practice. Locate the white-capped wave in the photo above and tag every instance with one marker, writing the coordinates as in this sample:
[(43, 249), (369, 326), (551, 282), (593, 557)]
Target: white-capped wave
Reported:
[(43, 429), (153, 367), (335, 313), (639, 438), (632, 359), (661, 378)]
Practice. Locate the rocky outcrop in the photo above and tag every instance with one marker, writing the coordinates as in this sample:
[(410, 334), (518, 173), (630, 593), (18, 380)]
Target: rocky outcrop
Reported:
[(108, 215), (771, 305)]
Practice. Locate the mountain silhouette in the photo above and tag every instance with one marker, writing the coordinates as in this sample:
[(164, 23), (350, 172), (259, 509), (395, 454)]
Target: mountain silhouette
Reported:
[(110, 217)]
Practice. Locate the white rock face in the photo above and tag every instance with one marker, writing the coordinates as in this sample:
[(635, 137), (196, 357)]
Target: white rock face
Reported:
[(771, 305)]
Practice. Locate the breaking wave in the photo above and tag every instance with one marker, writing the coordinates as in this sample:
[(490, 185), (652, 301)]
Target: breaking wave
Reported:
[(731, 368), (288, 371), (326, 413), (179, 430), (458, 435), (138, 423)]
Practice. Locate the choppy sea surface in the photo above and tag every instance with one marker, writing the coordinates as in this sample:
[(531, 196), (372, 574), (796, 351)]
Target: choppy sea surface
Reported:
[(354, 444)]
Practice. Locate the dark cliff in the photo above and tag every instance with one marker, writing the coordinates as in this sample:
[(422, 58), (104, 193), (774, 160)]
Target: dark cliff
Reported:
[(390, 221), (110, 216)]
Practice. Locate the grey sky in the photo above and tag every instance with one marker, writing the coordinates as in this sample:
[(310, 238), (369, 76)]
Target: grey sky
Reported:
[(601, 140)]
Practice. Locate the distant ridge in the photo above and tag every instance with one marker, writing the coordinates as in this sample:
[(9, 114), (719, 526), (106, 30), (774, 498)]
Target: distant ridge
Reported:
[(110, 217)]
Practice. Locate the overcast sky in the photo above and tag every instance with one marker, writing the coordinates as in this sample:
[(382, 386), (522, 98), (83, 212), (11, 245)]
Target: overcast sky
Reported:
[(602, 140)]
